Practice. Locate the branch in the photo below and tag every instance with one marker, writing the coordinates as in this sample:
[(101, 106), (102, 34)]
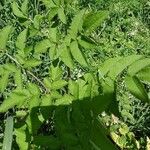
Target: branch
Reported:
[(37, 79)]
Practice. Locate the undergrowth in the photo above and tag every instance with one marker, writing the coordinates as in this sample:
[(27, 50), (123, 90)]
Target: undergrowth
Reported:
[(73, 74)]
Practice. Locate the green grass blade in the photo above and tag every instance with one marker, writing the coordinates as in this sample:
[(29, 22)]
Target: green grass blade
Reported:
[(8, 135)]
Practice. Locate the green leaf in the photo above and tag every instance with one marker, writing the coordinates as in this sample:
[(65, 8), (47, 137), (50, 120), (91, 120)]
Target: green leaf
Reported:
[(24, 7), (4, 35), (99, 139), (48, 3), (70, 139), (76, 24), (82, 86), (58, 84), (18, 79), (37, 21), (138, 65), (55, 72), (46, 100), (136, 88), (66, 57), (33, 89), (122, 64), (94, 20), (62, 15), (28, 50), (53, 12), (65, 100), (31, 119), (33, 31), (15, 98), (4, 81), (74, 89), (68, 1), (21, 138), (10, 67), (67, 40), (144, 74), (8, 134), (53, 52), (47, 82), (42, 46), (32, 63), (1, 70), (87, 44), (52, 142), (34, 102), (85, 91), (101, 102), (17, 11), (77, 54), (58, 2), (107, 65), (21, 39), (53, 34), (56, 95), (20, 57)]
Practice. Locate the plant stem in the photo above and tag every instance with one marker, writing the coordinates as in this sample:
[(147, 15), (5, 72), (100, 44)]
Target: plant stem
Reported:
[(30, 73), (14, 60), (37, 79)]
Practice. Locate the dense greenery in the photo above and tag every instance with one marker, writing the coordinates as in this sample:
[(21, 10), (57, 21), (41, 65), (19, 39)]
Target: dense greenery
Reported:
[(74, 74)]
